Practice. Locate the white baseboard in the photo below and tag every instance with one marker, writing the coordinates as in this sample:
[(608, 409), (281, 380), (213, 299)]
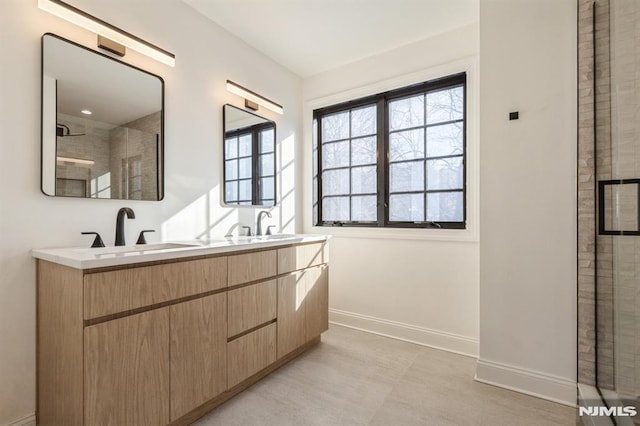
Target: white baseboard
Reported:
[(29, 420), (534, 383), (409, 333)]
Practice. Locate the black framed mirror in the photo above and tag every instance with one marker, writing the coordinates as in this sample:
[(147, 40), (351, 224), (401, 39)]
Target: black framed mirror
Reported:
[(249, 155), (102, 125)]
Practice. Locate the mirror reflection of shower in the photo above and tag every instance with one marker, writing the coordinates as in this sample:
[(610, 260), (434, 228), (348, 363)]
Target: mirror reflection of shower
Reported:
[(102, 125)]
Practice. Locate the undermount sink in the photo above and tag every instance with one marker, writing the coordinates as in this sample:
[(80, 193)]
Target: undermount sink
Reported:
[(277, 236), (257, 238), (139, 248)]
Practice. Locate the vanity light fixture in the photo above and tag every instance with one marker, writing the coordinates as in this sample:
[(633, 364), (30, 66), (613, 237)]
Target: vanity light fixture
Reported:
[(105, 30), (252, 99), (77, 161), (86, 112)]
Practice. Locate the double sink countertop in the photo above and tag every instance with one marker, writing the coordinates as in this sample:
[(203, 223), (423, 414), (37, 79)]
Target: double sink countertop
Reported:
[(89, 258)]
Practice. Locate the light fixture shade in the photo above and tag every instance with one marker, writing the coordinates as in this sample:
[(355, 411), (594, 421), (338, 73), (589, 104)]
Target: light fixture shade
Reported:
[(254, 97), (100, 27)]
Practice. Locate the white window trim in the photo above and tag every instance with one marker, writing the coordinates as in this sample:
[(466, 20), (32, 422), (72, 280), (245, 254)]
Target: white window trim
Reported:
[(468, 65)]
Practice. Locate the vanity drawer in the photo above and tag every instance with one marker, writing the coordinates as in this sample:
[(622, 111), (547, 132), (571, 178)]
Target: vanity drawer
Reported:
[(244, 268), (250, 353), (304, 256), (251, 306), (107, 293)]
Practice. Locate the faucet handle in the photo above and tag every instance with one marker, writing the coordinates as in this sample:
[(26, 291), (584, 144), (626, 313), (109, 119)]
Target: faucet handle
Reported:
[(97, 242), (141, 239), (269, 229), (248, 228)]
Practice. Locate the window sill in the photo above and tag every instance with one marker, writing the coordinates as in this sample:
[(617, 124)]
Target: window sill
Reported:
[(451, 235)]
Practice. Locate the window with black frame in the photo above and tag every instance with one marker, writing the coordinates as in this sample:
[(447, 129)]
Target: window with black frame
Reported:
[(420, 178), (249, 158)]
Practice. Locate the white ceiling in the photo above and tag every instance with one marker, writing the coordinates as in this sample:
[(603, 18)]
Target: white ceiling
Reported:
[(312, 36)]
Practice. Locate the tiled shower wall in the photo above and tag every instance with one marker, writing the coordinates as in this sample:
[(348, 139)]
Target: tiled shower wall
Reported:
[(609, 126)]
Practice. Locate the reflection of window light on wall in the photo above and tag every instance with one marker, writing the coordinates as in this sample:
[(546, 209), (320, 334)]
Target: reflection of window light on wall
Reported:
[(132, 177), (101, 186)]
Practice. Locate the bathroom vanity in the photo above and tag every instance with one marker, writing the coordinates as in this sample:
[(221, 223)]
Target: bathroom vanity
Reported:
[(161, 335)]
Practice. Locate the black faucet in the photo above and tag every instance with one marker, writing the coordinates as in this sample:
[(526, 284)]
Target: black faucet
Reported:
[(120, 224), (259, 224)]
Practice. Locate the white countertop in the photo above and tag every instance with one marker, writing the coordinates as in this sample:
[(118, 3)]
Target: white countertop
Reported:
[(89, 258)]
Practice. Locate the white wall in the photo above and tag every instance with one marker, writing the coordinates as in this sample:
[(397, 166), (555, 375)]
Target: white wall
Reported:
[(419, 285), (528, 202), (195, 92)]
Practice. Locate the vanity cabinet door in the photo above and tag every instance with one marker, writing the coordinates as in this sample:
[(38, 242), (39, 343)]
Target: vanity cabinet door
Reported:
[(316, 301), (198, 352), (126, 370), (302, 307), (291, 313)]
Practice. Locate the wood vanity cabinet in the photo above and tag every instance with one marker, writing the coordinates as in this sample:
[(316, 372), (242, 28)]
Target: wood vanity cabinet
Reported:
[(198, 358), (164, 343), (126, 376), (303, 303)]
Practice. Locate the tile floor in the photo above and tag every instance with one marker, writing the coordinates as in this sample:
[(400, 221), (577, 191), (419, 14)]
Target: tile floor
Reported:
[(357, 378)]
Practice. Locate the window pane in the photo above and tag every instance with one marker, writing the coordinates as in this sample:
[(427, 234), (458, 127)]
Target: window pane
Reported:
[(231, 148), (445, 105), (364, 208), (444, 140), (244, 168), (406, 145), (315, 163), (406, 208), (314, 136), (335, 154), (363, 121), (315, 200), (406, 113), (335, 126), (445, 207), (245, 189), (335, 182), (266, 187), (363, 151), (266, 165), (335, 208), (266, 140), (231, 191), (267, 203), (244, 145), (363, 180), (445, 173), (406, 176), (231, 171)]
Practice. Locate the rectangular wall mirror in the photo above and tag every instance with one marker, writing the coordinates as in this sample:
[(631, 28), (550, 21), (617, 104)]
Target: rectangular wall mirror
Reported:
[(249, 158), (102, 125)]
